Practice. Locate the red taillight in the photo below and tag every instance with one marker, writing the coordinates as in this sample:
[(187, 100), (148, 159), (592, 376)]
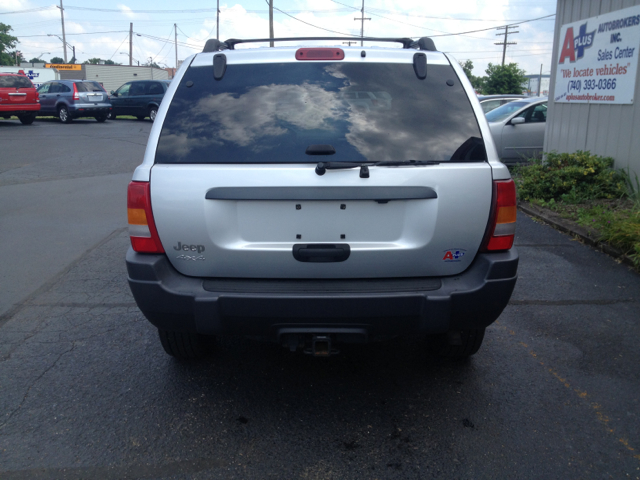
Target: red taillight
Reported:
[(502, 227), (142, 229), (75, 92), (319, 54)]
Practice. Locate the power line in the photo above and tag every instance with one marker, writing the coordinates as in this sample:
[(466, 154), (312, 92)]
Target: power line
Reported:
[(69, 34), (314, 26)]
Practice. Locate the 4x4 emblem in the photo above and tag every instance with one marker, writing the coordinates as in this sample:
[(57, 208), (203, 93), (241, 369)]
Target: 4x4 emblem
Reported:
[(190, 257)]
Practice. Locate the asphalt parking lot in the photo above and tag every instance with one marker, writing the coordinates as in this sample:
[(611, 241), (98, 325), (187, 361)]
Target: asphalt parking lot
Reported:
[(87, 392)]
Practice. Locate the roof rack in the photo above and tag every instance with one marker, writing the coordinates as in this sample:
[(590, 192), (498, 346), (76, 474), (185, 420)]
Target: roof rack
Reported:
[(424, 43)]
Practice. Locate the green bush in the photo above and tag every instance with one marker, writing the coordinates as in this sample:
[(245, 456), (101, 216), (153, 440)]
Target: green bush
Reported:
[(570, 177)]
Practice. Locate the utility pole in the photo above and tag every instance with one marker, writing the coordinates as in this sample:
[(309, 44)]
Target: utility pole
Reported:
[(130, 43), (64, 37), (271, 23), (175, 28), (218, 21), (505, 43), (540, 81), (362, 19)]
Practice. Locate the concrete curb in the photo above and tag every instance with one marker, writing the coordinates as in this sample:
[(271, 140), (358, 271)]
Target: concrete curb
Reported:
[(585, 235)]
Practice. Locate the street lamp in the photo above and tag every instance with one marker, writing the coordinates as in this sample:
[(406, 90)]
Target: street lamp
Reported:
[(38, 57), (132, 58), (63, 42)]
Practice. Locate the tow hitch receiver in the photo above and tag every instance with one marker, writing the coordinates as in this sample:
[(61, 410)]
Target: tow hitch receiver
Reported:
[(321, 346)]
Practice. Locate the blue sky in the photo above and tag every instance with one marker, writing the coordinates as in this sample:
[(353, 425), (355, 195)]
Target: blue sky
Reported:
[(100, 29)]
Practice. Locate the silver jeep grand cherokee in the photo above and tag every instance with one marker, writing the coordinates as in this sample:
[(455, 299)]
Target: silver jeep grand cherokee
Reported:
[(317, 195)]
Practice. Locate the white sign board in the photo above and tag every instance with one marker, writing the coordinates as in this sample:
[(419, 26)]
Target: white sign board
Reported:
[(37, 75), (598, 59)]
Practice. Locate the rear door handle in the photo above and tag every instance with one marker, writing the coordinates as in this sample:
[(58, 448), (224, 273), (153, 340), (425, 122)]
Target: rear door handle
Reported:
[(321, 252)]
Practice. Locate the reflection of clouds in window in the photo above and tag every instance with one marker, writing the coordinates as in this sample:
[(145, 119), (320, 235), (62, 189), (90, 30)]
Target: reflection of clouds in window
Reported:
[(367, 112), (179, 145), (262, 110)]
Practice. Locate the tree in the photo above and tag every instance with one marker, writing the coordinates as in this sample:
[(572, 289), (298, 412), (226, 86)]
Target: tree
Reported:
[(16, 57), (35, 60), (56, 60), (98, 61), (504, 79), (7, 42), (476, 82), (152, 64)]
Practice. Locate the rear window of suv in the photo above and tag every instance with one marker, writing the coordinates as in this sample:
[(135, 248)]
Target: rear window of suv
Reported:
[(271, 113), (17, 81), (89, 87)]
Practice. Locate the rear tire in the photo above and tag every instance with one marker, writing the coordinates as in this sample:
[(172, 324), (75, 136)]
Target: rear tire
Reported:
[(111, 116), (471, 341), (63, 115), (186, 346), (153, 111), (27, 119), (101, 118)]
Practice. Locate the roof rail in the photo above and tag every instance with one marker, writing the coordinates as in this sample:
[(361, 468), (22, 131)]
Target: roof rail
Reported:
[(214, 45), (232, 42), (424, 43)]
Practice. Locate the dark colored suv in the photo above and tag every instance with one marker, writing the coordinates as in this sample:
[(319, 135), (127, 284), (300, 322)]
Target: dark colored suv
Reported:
[(18, 97), (69, 99), (140, 98)]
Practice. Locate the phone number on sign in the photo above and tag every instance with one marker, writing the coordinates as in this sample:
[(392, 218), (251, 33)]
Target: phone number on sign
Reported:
[(602, 84)]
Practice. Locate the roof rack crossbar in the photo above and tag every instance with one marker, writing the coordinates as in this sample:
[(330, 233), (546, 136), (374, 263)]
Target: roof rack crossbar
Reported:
[(232, 42), (424, 43)]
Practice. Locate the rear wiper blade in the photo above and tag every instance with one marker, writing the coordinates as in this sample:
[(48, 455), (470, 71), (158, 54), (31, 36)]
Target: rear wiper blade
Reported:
[(394, 163), (322, 167)]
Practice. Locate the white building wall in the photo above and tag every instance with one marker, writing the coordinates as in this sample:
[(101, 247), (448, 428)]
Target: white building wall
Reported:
[(113, 76), (608, 130)]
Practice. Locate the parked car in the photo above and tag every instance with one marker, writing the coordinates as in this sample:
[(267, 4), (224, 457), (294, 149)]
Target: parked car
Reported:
[(267, 206), (490, 102), (18, 97), (518, 129), (69, 99), (140, 98)]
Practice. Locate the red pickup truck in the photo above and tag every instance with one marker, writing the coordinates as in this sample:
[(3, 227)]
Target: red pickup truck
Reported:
[(18, 97)]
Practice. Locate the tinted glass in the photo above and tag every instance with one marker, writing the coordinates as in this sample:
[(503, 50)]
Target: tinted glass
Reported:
[(44, 88), (17, 81), (501, 113), (88, 87), (62, 88), (123, 91), (490, 105), (137, 88), (271, 113), (154, 88)]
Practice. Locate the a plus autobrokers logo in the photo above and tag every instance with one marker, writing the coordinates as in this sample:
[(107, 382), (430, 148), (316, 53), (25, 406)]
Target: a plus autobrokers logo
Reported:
[(573, 46), (453, 255)]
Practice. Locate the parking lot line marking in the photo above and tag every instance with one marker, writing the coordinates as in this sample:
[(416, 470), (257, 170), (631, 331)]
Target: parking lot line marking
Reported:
[(602, 418)]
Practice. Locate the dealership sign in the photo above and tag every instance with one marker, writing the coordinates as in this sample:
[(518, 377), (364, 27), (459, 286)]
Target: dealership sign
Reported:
[(64, 66), (598, 59)]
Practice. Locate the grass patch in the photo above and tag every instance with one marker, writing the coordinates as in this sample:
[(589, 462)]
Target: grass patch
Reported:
[(587, 189)]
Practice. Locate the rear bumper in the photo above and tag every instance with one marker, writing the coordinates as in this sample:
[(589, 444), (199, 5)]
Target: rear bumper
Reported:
[(89, 109), (19, 109), (271, 308)]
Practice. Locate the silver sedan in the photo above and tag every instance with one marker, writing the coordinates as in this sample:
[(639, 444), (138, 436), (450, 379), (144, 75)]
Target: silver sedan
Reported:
[(518, 129)]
